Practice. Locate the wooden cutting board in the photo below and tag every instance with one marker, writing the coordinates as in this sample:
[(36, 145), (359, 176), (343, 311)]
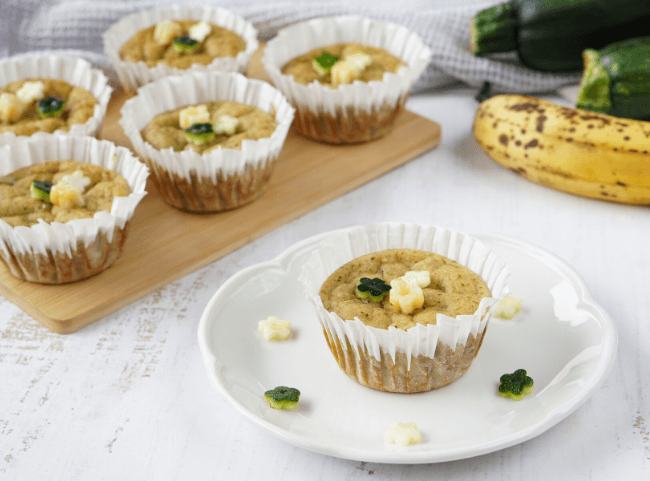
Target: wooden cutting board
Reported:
[(165, 244)]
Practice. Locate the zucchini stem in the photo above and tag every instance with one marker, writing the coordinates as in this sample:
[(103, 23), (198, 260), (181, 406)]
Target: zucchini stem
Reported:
[(595, 87)]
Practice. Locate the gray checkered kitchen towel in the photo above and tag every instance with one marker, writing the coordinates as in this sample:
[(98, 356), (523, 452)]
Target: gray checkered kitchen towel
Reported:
[(75, 27)]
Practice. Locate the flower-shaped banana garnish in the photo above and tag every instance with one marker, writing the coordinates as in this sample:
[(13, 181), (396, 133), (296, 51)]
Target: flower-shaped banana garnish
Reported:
[(199, 31), (406, 294), (373, 289), (31, 91), (226, 124), (274, 329), (508, 307), (350, 68), (166, 31), (11, 108), (403, 434), (194, 114), (67, 193)]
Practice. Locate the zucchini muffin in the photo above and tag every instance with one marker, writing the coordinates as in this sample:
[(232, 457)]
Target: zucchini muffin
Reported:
[(211, 139), (342, 64), (152, 44), (348, 77), (51, 94), (65, 220), (403, 307), (58, 191), (43, 105), (231, 123), (442, 287), (181, 44)]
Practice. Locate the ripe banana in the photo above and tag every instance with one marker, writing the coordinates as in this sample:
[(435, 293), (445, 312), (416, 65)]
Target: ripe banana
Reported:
[(584, 153)]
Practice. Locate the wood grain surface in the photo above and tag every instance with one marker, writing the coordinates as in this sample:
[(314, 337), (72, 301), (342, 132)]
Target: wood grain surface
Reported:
[(165, 244)]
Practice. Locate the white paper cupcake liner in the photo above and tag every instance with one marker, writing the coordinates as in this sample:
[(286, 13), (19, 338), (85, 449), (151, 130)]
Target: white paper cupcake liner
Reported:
[(133, 75), (377, 100), (387, 345), (31, 251), (217, 166), (75, 71)]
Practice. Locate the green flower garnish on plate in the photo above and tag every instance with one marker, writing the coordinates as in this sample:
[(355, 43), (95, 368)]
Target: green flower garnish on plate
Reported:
[(515, 385), (282, 397)]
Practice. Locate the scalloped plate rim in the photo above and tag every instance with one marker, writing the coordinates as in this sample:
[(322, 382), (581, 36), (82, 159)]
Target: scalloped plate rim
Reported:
[(282, 261)]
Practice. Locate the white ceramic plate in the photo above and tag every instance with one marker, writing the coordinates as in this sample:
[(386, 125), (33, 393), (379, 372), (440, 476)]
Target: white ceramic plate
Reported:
[(565, 341)]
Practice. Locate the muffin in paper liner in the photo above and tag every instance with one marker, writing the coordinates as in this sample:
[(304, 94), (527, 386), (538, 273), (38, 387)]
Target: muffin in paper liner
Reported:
[(221, 179), (75, 71), (351, 113), (56, 253), (422, 358), (133, 75)]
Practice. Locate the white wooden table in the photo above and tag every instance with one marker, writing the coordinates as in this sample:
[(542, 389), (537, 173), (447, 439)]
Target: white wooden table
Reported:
[(128, 398)]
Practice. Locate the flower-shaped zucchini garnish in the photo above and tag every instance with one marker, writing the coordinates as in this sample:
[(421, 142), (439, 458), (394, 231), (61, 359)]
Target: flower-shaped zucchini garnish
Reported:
[(200, 133), (40, 190), (50, 107), (324, 62), (373, 289), (185, 44), (282, 397), (515, 385)]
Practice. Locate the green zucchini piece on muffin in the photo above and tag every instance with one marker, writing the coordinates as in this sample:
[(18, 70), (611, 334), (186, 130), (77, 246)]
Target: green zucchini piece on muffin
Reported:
[(50, 107), (200, 133), (40, 190), (185, 44)]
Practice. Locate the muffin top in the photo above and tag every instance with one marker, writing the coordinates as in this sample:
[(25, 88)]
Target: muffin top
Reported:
[(58, 191), (205, 127), (342, 63), (402, 288), (43, 105), (181, 43)]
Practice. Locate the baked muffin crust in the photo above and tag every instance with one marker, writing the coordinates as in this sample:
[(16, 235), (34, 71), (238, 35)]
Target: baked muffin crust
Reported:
[(79, 108), (380, 62), (454, 289), (143, 46), (19, 208), (165, 131)]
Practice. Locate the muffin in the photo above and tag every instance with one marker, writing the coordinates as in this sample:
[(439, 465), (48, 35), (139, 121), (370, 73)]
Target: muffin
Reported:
[(65, 206), (358, 88), (211, 139), (43, 105), (231, 124), (51, 94), (410, 340), (181, 43), (156, 43)]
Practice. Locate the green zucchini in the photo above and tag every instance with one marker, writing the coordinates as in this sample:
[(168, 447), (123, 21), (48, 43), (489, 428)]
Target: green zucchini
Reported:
[(550, 35), (616, 79)]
